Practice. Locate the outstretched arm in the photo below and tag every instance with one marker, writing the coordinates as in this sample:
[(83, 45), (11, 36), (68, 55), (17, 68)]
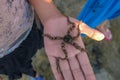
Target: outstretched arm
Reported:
[(68, 61), (46, 11)]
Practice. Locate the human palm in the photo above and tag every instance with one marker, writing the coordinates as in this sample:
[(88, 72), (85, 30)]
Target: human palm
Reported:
[(74, 65)]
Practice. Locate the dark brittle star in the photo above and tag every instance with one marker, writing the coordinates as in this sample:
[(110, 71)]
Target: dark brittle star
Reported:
[(68, 39)]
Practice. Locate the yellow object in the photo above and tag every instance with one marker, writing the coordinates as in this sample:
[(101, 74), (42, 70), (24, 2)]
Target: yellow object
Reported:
[(98, 36), (92, 33)]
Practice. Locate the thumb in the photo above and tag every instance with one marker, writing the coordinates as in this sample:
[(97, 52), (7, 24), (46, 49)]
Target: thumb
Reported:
[(92, 33)]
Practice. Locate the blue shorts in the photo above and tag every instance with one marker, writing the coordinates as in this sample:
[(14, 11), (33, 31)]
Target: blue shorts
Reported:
[(96, 11)]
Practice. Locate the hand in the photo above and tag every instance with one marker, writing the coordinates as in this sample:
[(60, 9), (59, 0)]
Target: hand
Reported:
[(77, 66)]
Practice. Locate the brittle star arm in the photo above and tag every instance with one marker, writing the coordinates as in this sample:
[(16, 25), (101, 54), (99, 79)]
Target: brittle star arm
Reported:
[(64, 51), (59, 58), (78, 47), (72, 25), (69, 20), (71, 28), (53, 38), (78, 34)]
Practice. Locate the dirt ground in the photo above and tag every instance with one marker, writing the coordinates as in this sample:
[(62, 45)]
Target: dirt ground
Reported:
[(104, 56)]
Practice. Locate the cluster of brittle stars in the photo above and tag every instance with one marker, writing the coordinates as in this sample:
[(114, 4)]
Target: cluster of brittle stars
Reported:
[(66, 39)]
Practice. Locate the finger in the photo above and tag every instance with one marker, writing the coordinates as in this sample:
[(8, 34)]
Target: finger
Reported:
[(76, 69), (66, 70), (56, 73), (86, 67), (92, 33)]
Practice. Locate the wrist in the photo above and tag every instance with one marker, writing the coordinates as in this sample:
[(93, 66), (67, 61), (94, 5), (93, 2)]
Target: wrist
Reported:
[(46, 10), (52, 20), (52, 17)]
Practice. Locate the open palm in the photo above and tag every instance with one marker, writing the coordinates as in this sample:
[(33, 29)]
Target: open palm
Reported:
[(76, 66)]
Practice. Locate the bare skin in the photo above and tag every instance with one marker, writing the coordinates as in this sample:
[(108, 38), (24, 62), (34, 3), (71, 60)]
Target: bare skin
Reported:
[(77, 65), (67, 39), (1, 78)]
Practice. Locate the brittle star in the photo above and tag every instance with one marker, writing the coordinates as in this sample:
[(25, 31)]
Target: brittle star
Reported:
[(68, 39)]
